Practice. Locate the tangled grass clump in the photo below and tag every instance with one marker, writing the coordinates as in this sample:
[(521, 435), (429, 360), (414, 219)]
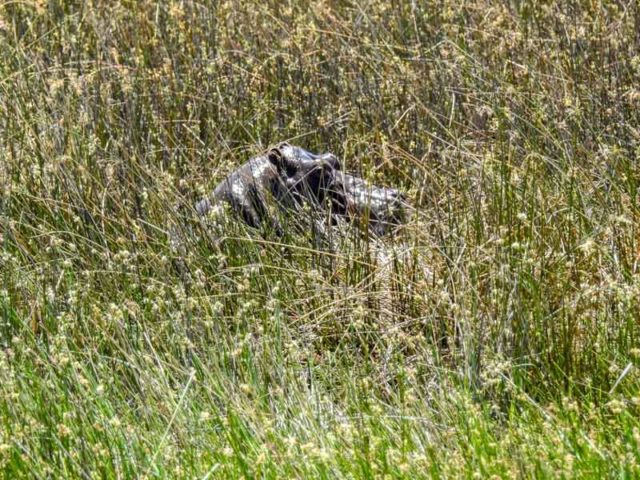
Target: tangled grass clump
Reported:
[(496, 335)]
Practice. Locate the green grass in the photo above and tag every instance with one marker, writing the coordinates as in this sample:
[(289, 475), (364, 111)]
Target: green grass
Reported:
[(496, 336)]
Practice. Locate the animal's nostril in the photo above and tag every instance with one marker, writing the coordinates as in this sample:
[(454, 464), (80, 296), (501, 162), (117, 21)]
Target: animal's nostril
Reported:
[(397, 195)]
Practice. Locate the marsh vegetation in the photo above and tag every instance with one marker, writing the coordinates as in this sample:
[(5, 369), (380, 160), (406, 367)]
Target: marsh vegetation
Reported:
[(496, 335)]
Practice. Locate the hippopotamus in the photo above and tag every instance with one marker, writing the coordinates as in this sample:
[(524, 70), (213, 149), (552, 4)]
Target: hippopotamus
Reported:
[(286, 174), (352, 198)]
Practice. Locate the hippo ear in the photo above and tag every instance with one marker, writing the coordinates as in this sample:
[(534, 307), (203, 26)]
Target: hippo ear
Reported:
[(275, 156)]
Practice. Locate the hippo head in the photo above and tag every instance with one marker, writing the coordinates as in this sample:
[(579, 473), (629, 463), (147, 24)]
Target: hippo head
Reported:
[(305, 174), (381, 209)]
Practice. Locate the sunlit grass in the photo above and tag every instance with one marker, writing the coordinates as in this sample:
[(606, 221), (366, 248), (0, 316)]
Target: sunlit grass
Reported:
[(495, 335)]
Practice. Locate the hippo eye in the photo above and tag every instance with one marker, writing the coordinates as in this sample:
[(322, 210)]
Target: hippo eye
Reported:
[(290, 170)]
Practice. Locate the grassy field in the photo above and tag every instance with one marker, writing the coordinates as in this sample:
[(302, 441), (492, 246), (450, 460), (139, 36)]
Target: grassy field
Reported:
[(496, 336)]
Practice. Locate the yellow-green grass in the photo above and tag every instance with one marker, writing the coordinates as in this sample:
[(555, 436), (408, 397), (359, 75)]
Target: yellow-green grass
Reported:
[(496, 335)]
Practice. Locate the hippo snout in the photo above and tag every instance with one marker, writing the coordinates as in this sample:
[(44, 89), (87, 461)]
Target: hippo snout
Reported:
[(396, 202)]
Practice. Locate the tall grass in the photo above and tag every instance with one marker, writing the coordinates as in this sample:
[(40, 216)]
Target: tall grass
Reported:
[(496, 335)]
